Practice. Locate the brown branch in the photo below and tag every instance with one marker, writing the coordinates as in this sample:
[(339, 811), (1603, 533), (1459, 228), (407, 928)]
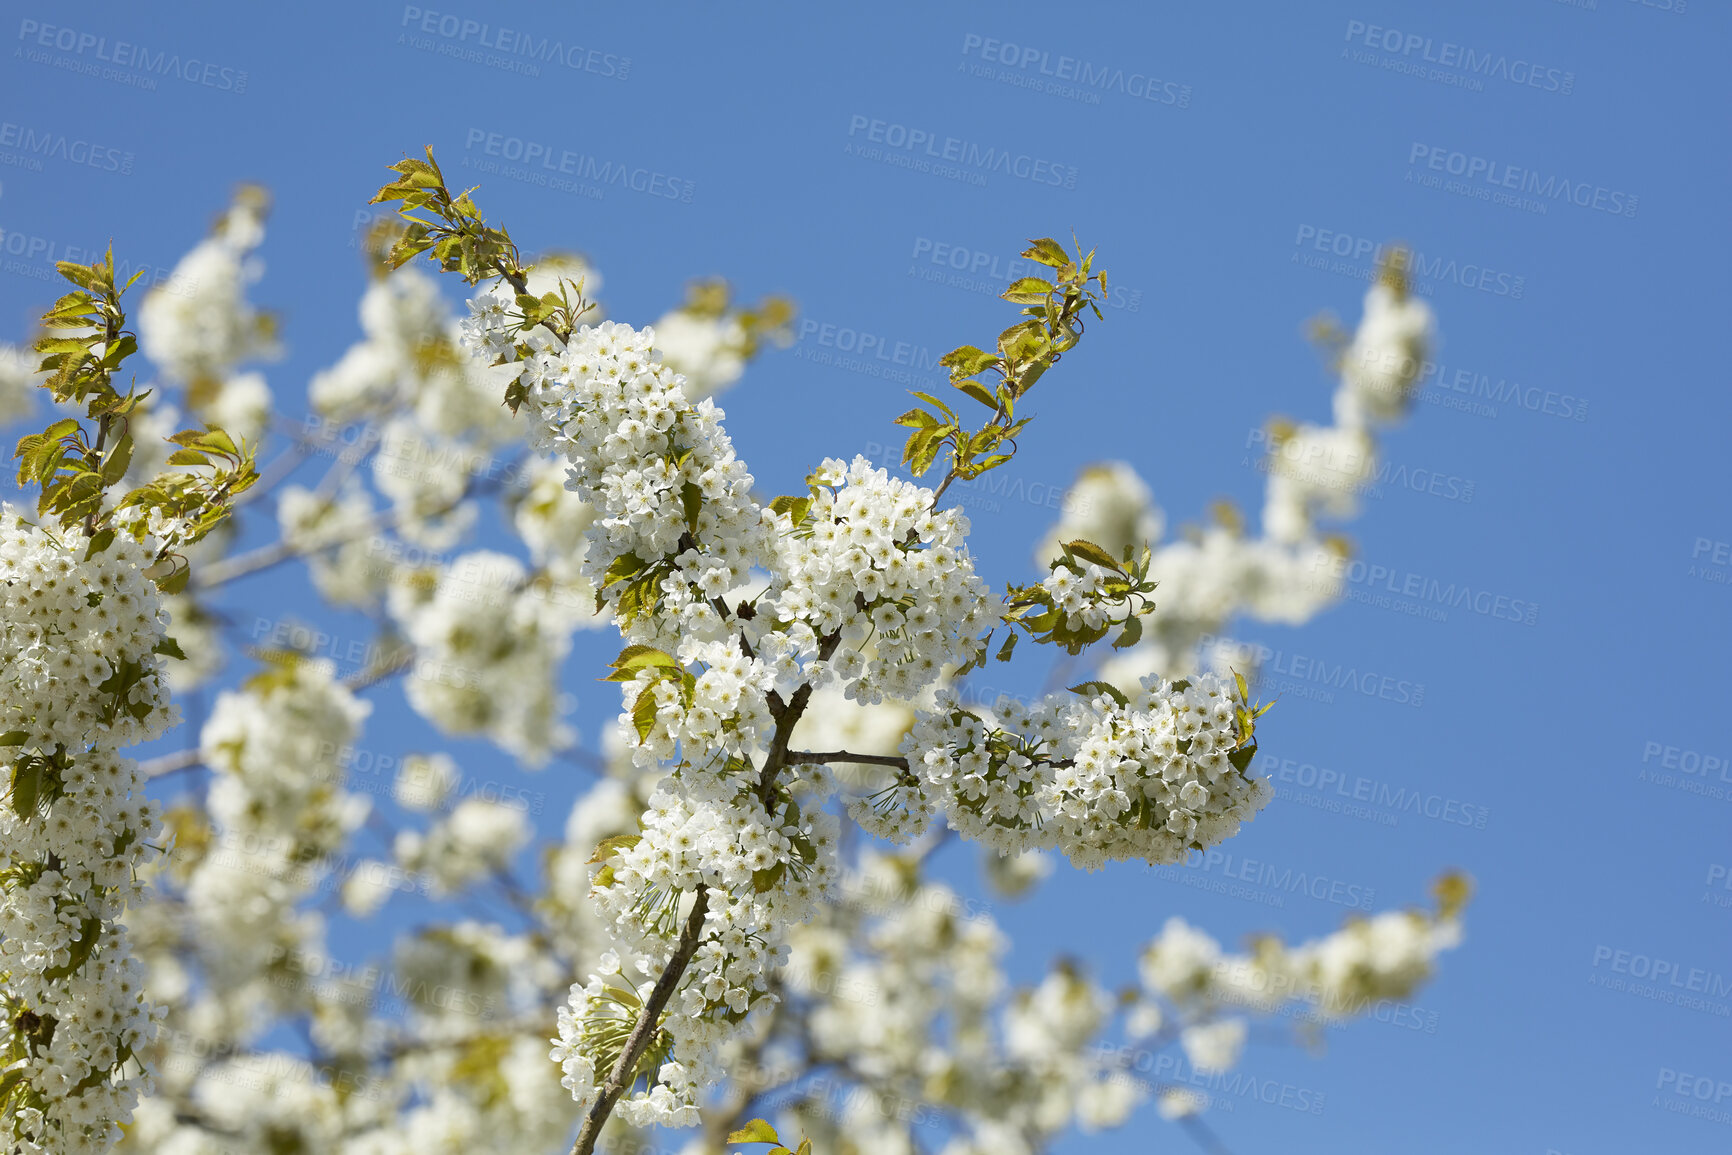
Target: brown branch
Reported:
[(648, 1023), (787, 715)]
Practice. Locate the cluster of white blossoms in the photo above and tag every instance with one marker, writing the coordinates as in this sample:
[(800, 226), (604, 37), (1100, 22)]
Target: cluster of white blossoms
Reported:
[(642, 455), (408, 364), (1152, 776), (707, 350), (426, 477), (477, 839), (840, 611), (1316, 469), (1289, 572), (675, 528), (1387, 956), (20, 378), (198, 325), (871, 559), (901, 984), (552, 521), (1194, 988), (759, 873), (277, 809), (488, 643), (333, 534), (870, 591), (79, 638)]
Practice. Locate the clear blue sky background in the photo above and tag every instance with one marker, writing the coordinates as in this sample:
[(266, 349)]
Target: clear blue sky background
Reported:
[(1206, 207)]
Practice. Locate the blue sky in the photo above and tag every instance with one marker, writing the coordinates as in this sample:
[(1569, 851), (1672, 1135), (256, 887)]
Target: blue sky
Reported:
[(1232, 184)]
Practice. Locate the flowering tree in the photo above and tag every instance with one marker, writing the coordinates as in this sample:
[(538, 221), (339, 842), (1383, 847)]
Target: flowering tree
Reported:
[(734, 932)]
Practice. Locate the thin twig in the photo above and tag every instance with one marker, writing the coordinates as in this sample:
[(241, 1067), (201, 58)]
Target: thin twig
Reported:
[(166, 764), (809, 758)]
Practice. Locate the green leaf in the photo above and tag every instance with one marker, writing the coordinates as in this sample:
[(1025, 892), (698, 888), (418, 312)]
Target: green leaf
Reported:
[(967, 360), (923, 445), (176, 579), (217, 441), (635, 658), (1242, 757), (643, 713), (1027, 291), (1048, 252), (693, 499), (794, 507), (14, 738), (980, 393), (27, 776), (118, 459), (1089, 551), (1009, 645), (608, 847), (1132, 635), (89, 931), (1095, 689), (931, 400), (80, 275), (763, 880), (99, 541), (622, 567), (917, 419), (756, 1131)]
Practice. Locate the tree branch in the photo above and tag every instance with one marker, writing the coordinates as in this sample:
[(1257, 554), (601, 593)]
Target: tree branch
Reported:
[(809, 757), (166, 764), (787, 715), (648, 1022)]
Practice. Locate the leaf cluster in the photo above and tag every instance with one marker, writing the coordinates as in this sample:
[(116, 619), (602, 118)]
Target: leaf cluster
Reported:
[(83, 347), (452, 232), (1034, 609), (1052, 309), (661, 666)]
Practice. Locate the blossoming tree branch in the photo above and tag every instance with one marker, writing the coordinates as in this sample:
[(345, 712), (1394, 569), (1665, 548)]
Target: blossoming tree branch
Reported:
[(735, 931)]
